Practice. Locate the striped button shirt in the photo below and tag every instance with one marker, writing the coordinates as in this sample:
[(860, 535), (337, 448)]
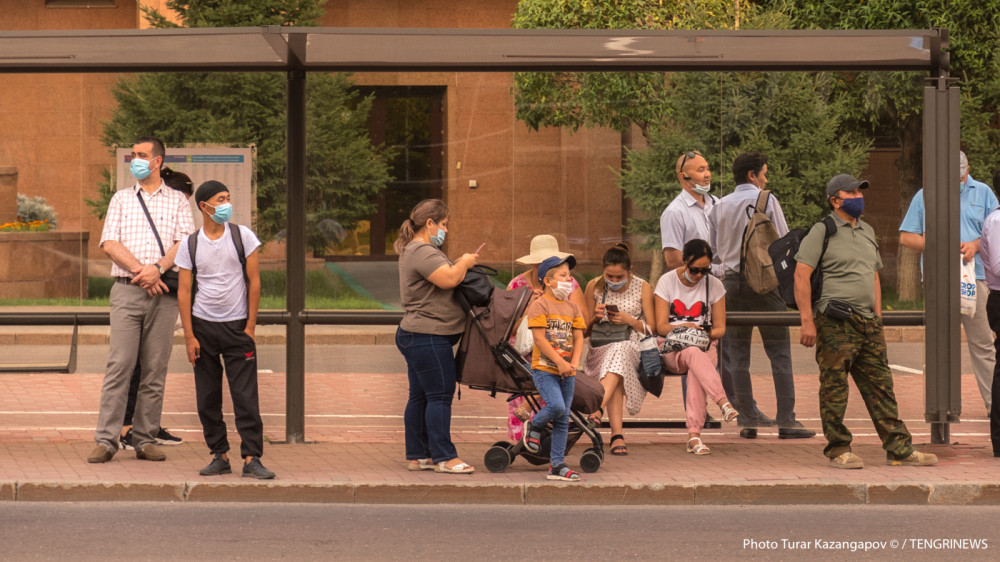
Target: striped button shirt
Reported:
[(126, 223)]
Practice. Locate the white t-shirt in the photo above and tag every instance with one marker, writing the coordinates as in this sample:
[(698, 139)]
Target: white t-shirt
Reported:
[(222, 292), (687, 304)]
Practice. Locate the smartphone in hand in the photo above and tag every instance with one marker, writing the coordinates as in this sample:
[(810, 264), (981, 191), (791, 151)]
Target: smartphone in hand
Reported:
[(612, 308)]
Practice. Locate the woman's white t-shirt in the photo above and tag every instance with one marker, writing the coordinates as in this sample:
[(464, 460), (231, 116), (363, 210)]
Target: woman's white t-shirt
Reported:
[(222, 292), (687, 304)]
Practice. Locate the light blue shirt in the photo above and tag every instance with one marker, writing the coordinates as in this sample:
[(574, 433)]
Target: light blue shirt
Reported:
[(977, 201)]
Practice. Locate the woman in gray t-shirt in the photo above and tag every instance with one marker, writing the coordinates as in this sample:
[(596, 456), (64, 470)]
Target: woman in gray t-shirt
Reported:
[(432, 324)]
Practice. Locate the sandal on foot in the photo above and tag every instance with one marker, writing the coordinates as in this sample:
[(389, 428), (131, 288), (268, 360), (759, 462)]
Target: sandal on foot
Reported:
[(597, 416), (532, 438), (420, 464), (460, 468), (620, 450), (697, 447), (728, 412), (563, 473)]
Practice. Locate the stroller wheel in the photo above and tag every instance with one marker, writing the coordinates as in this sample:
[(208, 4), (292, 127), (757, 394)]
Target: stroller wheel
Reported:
[(497, 459), (590, 461)]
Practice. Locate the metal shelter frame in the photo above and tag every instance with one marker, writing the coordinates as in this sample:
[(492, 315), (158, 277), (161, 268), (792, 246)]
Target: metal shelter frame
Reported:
[(297, 51)]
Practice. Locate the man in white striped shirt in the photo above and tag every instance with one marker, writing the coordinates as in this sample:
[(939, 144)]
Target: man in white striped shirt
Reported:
[(143, 310)]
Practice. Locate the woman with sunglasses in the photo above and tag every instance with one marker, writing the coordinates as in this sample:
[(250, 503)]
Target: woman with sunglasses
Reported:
[(689, 297)]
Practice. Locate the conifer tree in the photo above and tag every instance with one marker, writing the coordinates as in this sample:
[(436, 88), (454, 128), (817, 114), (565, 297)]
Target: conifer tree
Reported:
[(345, 171)]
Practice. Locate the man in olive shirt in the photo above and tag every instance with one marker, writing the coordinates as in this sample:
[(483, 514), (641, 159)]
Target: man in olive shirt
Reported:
[(847, 330)]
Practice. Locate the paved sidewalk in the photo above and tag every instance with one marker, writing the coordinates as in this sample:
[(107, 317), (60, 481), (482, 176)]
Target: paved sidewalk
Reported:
[(355, 453)]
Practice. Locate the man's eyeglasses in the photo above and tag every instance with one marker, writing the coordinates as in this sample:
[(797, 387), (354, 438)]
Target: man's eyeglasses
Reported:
[(699, 270), (688, 156)]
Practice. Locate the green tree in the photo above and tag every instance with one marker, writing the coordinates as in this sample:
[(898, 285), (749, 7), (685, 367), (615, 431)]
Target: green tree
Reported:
[(890, 104), (345, 172), (795, 118)]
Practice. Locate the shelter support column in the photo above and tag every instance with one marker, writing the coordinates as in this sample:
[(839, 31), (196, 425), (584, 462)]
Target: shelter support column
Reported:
[(942, 342), (295, 284)]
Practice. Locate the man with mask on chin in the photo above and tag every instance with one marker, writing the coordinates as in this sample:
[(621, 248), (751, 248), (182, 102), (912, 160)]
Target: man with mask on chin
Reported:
[(976, 202), (686, 217), (142, 227), (845, 325)]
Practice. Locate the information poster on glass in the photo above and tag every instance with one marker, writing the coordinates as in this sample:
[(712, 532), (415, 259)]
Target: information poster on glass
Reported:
[(231, 166)]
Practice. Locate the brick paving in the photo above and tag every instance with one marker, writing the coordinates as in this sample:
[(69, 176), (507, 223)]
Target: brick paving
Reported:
[(355, 454)]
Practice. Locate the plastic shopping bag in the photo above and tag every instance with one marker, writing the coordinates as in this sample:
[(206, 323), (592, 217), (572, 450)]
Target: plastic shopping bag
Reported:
[(524, 340), (968, 287)]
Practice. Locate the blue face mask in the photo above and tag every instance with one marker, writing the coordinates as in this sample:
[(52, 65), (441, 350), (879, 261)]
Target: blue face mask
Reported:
[(438, 238), (222, 213), (140, 168), (616, 286), (854, 207), (688, 277)]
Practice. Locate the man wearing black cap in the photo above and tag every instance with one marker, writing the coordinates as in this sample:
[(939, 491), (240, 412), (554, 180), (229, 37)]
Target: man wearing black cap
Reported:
[(218, 298), (847, 330)]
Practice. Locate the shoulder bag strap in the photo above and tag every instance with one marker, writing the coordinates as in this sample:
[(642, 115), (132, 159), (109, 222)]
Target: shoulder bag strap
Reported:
[(151, 225)]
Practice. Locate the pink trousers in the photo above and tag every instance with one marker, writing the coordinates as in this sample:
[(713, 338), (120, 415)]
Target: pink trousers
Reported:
[(703, 379)]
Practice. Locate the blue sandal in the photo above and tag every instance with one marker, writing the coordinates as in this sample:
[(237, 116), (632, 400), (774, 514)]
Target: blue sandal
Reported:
[(532, 439), (563, 472)]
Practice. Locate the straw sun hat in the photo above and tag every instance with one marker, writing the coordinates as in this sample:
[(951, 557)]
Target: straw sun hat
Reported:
[(542, 246)]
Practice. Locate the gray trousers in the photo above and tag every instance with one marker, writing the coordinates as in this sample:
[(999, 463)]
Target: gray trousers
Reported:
[(979, 338), (734, 355), (141, 327)]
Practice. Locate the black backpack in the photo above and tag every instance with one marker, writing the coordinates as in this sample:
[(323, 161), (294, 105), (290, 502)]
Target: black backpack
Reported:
[(783, 252), (234, 232)]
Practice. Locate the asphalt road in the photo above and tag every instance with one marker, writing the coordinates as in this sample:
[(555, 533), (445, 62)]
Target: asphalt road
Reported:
[(177, 532), (905, 358)]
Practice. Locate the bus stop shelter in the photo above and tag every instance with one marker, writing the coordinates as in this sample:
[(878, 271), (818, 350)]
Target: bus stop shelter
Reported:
[(297, 51)]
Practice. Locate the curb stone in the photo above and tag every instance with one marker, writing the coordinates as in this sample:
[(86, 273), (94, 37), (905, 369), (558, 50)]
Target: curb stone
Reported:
[(510, 494)]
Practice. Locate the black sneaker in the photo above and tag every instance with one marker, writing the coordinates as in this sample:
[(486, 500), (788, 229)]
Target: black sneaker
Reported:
[(218, 466), (126, 440), (254, 469), (163, 437)]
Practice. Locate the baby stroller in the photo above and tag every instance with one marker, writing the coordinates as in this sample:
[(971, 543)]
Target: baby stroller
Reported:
[(487, 361)]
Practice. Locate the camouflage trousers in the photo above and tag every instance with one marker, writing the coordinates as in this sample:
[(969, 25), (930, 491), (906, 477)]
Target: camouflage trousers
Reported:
[(857, 347)]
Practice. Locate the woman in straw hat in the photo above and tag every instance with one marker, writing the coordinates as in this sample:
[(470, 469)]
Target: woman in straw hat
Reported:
[(542, 247)]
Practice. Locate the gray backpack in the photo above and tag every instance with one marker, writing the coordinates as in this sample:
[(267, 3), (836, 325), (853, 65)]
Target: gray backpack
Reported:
[(756, 268)]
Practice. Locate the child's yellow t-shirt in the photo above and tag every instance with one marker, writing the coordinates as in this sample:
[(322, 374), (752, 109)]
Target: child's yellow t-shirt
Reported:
[(559, 318)]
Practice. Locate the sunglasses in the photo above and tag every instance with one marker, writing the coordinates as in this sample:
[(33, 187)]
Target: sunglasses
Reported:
[(688, 156), (699, 270)]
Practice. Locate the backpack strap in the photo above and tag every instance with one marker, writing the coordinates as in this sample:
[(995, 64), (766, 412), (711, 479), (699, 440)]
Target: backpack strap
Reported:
[(234, 232), (192, 243), (831, 228), (763, 199)]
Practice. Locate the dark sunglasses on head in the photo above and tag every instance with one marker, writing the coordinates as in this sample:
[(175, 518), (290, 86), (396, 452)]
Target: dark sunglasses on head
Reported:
[(699, 270), (688, 156)]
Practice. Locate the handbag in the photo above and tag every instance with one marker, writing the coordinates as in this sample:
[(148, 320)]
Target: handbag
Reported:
[(170, 277), (651, 370), (477, 287), (604, 332)]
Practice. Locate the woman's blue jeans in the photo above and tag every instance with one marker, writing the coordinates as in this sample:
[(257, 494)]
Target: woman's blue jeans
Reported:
[(430, 366), (557, 392)]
